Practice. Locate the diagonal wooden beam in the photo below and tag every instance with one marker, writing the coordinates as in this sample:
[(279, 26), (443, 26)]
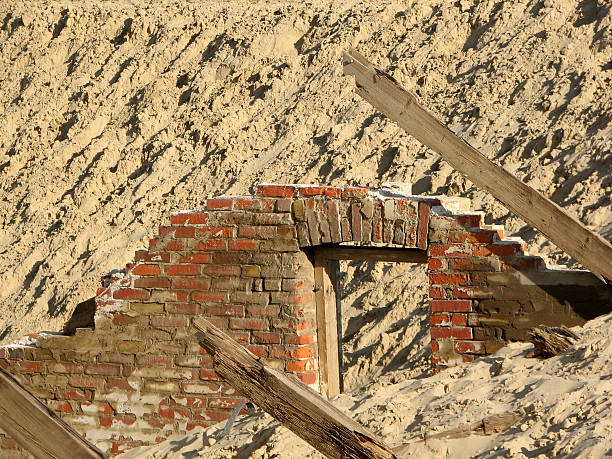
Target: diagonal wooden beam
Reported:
[(289, 401), (563, 229), (36, 428)]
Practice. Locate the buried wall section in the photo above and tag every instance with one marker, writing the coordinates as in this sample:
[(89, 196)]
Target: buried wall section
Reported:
[(247, 264)]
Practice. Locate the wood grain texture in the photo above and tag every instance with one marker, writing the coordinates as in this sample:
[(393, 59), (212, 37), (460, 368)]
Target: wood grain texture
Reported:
[(37, 428), (289, 401), (373, 254), (563, 229), (325, 271)]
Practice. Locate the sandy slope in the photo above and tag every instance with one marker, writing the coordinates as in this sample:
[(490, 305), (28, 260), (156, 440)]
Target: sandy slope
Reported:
[(565, 401), (113, 114)]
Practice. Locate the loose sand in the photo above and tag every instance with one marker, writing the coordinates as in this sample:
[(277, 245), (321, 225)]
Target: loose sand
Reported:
[(114, 114)]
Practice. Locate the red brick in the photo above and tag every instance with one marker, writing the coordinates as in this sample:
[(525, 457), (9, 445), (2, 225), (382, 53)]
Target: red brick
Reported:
[(305, 338), (355, 192), (451, 332), (459, 319), (58, 405), (434, 346), (439, 319), (496, 249), (231, 258), (79, 381), (190, 283), (213, 416), (442, 279), (64, 368), (152, 359), (170, 246), (103, 408), (226, 310), (104, 369), (243, 244), (144, 255), (248, 324), (267, 337), (146, 270), (152, 282), (184, 308), (300, 366), (251, 203), (169, 321), (257, 232), (182, 270), (302, 353), (178, 231), (192, 425), (436, 292), (463, 292), (257, 310), (258, 351), (130, 294), (106, 421), (216, 270), (223, 402), (192, 218), (174, 413), (73, 394), (238, 336), (219, 204), (308, 378), (450, 305), (118, 383), (470, 220), (208, 297), (211, 244), (216, 232), (196, 258), (434, 264), (209, 375), (469, 347), (275, 352), (451, 250), (276, 191), (196, 402)]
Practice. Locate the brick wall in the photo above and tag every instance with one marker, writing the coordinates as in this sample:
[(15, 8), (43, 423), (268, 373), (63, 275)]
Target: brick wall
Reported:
[(245, 263), (485, 290)]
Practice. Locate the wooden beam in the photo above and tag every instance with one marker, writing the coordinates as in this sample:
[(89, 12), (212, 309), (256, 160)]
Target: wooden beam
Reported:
[(325, 272), (373, 254), (563, 229), (36, 427), (288, 400)]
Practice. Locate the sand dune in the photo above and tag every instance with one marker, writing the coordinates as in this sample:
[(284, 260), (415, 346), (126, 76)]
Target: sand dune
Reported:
[(116, 113)]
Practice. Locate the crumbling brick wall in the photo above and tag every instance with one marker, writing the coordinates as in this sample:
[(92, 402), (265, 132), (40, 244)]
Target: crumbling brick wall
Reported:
[(485, 290), (246, 264)]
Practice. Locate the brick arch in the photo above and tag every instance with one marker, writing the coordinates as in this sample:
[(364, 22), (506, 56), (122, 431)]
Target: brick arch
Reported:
[(140, 375)]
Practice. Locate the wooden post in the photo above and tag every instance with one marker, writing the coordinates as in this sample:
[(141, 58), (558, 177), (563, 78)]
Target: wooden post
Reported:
[(37, 428), (289, 401), (563, 229), (325, 272)]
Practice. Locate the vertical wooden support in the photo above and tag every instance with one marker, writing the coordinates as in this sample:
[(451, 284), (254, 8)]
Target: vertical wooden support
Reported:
[(327, 323)]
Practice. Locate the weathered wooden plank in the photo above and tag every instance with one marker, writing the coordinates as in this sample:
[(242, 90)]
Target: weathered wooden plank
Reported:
[(563, 229), (37, 428), (551, 341), (327, 325), (288, 400), (373, 254)]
